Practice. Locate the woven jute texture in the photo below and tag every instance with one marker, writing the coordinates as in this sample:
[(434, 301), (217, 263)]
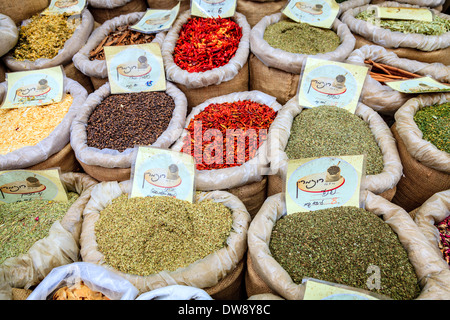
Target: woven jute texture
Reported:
[(103, 14)]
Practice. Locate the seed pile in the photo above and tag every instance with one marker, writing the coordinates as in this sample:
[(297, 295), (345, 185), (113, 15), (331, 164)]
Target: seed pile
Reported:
[(434, 122), (144, 236), (444, 238), (339, 245), (301, 38), (24, 223), (43, 37), (122, 121), (333, 131)]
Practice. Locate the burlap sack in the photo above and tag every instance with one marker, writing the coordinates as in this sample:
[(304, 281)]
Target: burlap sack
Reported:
[(426, 169), (348, 4), (277, 72), (199, 86), (381, 183), (175, 292), (254, 11), (169, 4), (60, 247), (64, 56), (432, 273), (57, 141), (204, 273), (21, 10), (9, 34), (390, 39), (113, 165), (106, 10), (383, 98), (97, 68)]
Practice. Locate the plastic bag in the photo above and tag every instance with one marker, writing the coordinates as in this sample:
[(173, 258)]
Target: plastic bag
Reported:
[(9, 34), (57, 140), (203, 273), (175, 292), (93, 276)]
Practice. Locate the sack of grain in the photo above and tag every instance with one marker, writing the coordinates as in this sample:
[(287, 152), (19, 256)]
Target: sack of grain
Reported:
[(383, 98), (106, 10), (383, 183), (60, 247), (9, 34), (204, 273), (200, 86), (277, 72), (426, 169), (254, 11), (53, 150), (433, 276), (109, 164)]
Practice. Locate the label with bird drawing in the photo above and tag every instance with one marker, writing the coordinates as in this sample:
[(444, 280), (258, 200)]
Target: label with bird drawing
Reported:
[(156, 20), (319, 13), (72, 7), (213, 8)]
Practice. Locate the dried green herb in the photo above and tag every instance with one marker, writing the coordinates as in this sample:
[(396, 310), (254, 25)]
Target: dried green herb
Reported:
[(23, 223), (434, 122), (144, 236), (339, 245), (432, 28), (301, 38), (333, 131)]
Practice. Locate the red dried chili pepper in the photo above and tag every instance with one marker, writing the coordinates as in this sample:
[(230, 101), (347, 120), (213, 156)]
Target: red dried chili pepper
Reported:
[(206, 43), (227, 134), (444, 233)]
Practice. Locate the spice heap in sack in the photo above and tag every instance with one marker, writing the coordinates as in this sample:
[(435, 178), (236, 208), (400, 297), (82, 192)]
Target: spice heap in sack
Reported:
[(143, 236), (206, 43), (243, 127), (79, 291), (383, 72), (338, 245), (23, 223), (444, 238)]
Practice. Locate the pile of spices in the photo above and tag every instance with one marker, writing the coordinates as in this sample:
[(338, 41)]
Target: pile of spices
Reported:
[(243, 127), (78, 291), (29, 125), (122, 121), (434, 122), (122, 36), (436, 27), (383, 72), (301, 38), (147, 235), (340, 245), (332, 131), (444, 238), (206, 43), (44, 36), (23, 223)]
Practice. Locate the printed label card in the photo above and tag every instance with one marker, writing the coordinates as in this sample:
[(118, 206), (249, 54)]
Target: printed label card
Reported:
[(331, 83), (324, 290), (155, 21), (72, 7), (135, 68), (161, 172), (319, 13), (401, 13), (34, 88), (321, 183), (213, 8), (26, 185), (418, 85)]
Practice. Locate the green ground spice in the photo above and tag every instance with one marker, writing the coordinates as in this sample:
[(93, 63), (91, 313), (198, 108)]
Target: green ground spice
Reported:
[(434, 122), (301, 38), (146, 235), (339, 245), (432, 28), (23, 223), (333, 131)]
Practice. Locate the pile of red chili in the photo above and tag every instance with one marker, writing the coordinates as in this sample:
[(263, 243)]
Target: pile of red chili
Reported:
[(206, 43), (444, 233), (227, 134)]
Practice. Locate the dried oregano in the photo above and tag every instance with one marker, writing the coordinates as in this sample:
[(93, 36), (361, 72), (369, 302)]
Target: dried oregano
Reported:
[(434, 122), (146, 235)]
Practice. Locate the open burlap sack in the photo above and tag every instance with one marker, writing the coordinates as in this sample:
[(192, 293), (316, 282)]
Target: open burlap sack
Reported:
[(60, 247), (411, 46), (277, 72), (54, 150), (348, 4), (64, 56), (21, 10), (96, 69), (9, 34), (199, 86), (113, 165), (254, 11), (383, 184), (204, 273), (432, 273), (103, 10), (426, 169), (169, 4), (383, 98)]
